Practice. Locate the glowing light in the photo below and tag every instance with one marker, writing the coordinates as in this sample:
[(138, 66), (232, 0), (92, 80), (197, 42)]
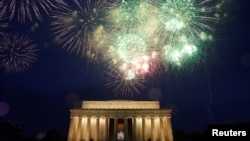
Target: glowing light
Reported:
[(174, 25), (4, 108), (176, 56), (189, 49), (145, 67), (130, 74)]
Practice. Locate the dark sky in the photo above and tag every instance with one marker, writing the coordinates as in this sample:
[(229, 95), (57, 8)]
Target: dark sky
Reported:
[(215, 91)]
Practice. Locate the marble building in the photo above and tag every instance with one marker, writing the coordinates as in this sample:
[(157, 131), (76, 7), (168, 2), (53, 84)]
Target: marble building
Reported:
[(138, 120)]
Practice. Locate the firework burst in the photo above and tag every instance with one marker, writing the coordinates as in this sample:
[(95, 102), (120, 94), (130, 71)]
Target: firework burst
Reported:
[(123, 83), (80, 27), (148, 35), (3, 21), (130, 13), (28, 10), (183, 26), (131, 60), (17, 53), (187, 16)]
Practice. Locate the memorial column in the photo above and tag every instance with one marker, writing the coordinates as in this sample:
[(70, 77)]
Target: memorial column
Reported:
[(72, 128), (102, 129), (97, 128), (79, 129), (169, 129), (143, 128), (153, 128), (87, 136), (139, 128), (159, 128), (162, 129), (84, 128)]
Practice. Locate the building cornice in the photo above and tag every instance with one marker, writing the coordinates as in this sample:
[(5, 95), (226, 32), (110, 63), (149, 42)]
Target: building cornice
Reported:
[(121, 112)]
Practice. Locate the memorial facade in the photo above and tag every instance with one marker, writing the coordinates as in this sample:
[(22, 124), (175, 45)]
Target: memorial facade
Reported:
[(106, 120)]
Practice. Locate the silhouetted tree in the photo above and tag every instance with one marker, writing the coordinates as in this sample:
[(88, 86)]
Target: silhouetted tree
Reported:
[(10, 131), (29, 139), (53, 135), (180, 135)]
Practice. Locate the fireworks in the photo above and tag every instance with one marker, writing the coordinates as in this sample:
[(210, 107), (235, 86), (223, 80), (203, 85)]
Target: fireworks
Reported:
[(17, 53), (3, 21), (186, 16), (147, 34), (130, 46), (179, 50), (80, 25), (176, 15), (123, 83), (126, 12), (25, 10), (184, 24), (131, 14), (133, 38)]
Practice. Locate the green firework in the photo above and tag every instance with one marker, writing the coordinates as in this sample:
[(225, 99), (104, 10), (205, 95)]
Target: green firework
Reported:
[(129, 46), (176, 15), (130, 12)]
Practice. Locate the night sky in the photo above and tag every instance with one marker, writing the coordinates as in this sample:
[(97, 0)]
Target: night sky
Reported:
[(216, 90)]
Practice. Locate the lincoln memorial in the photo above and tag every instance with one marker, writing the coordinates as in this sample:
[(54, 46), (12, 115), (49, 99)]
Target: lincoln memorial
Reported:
[(136, 120)]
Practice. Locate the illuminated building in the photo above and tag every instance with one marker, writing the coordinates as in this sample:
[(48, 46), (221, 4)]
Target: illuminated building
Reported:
[(102, 120)]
